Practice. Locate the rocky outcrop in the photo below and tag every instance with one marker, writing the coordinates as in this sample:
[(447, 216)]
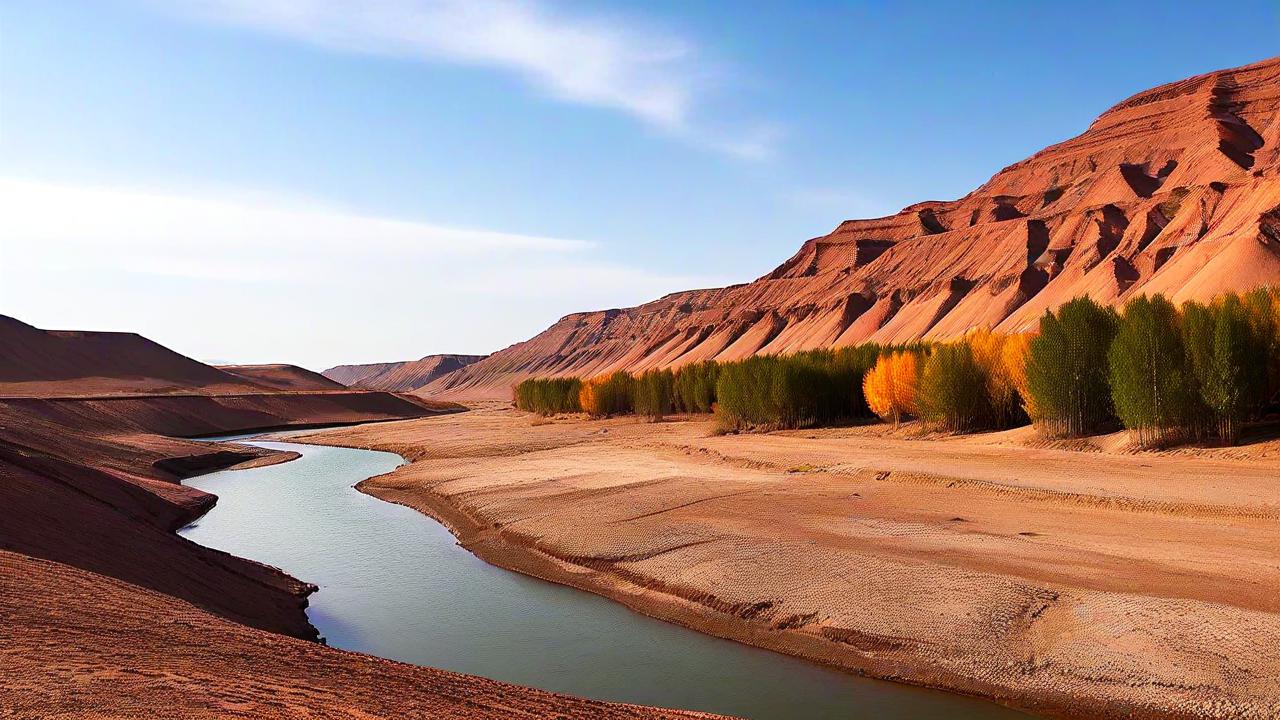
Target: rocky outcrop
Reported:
[(1174, 190), (399, 376)]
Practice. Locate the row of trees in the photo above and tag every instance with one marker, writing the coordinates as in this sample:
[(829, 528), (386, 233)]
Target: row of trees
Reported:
[(1166, 373), (549, 396)]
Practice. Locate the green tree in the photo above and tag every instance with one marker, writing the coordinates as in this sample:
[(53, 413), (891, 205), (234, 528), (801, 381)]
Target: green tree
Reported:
[(652, 393), (548, 396), (1223, 357), (695, 387), (1066, 370), (952, 392), (1150, 386)]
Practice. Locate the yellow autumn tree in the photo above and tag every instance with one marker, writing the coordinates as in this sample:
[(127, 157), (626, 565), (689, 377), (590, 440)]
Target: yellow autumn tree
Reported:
[(890, 386), (606, 395), (987, 349), (587, 397), (1013, 358)]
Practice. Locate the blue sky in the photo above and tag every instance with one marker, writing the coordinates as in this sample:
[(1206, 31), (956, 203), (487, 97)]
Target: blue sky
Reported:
[(317, 182)]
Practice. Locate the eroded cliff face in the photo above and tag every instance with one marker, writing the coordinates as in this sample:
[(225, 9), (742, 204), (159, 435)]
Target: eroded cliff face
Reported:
[(1175, 190)]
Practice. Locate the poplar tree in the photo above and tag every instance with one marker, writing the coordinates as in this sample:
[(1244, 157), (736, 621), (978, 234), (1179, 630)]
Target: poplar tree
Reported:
[(1066, 368), (1150, 385), (952, 393)]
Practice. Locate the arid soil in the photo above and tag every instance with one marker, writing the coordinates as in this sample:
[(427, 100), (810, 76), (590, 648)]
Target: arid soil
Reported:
[(78, 645), (1081, 584), (1175, 190)]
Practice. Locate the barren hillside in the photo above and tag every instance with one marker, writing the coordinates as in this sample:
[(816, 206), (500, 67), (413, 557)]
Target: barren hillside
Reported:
[(1175, 190)]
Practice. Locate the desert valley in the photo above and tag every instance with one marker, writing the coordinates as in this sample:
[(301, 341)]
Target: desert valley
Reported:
[(866, 484)]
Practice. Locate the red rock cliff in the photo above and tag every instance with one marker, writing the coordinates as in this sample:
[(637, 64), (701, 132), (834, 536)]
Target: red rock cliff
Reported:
[(1175, 190)]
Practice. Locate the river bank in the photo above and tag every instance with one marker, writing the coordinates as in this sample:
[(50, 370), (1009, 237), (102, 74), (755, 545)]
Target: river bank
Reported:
[(76, 644), (1075, 584), (105, 610), (438, 605)]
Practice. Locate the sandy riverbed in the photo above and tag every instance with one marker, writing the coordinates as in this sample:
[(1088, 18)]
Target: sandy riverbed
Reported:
[(1083, 584)]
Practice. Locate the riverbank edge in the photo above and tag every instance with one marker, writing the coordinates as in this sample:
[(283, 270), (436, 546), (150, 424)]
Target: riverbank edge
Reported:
[(510, 553)]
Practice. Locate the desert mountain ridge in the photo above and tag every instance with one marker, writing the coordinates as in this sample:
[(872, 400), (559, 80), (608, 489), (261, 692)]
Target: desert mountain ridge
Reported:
[(1175, 190), (399, 376)]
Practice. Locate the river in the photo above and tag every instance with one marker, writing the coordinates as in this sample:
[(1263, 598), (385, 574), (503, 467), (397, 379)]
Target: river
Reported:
[(394, 583)]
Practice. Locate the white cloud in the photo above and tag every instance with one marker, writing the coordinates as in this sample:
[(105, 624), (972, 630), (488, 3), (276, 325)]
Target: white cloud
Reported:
[(610, 62), (231, 237), (231, 274)]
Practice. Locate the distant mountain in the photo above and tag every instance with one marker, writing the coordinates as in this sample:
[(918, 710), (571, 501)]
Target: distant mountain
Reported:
[(1175, 190), (282, 377), (399, 376)]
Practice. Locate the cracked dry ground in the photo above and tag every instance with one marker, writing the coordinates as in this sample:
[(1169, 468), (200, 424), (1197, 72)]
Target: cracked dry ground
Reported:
[(1086, 584)]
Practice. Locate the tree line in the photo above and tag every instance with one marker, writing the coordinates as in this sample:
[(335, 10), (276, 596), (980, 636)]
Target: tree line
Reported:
[(1168, 373)]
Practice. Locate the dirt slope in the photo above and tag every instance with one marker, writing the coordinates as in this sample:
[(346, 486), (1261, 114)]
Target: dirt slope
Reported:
[(73, 362), (1078, 584), (282, 377), (78, 645), (1175, 190), (399, 376)]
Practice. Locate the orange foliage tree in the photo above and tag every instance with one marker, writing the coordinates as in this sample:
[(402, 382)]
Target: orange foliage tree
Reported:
[(890, 386)]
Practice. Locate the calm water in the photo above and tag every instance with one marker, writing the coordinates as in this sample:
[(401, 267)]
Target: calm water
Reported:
[(394, 583)]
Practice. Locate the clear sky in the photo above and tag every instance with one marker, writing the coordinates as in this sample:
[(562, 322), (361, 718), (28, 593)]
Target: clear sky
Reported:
[(318, 181)]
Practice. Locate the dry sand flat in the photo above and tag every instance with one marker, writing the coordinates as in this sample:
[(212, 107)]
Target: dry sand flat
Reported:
[(1083, 584)]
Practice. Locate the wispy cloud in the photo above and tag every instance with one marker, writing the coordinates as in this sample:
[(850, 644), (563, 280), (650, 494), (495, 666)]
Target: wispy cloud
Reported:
[(620, 63), (228, 236), (341, 285)]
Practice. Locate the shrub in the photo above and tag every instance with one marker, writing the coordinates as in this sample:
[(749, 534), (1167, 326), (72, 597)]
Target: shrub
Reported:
[(1150, 386), (548, 396), (1066, 368), (652, 393), (952, 392), (607, 395), (695, 387), (890, 386)]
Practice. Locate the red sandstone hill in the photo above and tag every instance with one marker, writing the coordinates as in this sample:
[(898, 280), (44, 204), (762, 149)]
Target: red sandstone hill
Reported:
[(1175, 190), (399, 376), (71, 362), (282, 377)]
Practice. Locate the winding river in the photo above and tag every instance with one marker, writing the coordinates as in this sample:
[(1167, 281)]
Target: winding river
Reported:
[(394, 583)]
